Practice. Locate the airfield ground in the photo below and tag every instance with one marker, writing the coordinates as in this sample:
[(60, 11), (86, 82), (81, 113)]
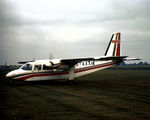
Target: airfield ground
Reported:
[(112, 94)]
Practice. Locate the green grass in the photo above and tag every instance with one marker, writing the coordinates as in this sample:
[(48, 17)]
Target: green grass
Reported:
[(104, 95)]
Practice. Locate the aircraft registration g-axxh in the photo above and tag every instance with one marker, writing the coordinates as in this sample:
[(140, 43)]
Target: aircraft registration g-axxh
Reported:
[(53, 69)]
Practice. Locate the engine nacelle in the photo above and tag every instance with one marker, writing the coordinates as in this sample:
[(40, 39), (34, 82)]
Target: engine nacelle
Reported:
[(53, 63), (50, 64)]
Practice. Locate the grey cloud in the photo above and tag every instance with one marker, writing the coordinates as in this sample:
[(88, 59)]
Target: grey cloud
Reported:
[(37, 22), (121, 11), (22, 39), (7, 20)]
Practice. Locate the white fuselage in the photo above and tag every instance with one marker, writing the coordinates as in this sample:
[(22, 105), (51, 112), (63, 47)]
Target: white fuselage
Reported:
[(57, 71)]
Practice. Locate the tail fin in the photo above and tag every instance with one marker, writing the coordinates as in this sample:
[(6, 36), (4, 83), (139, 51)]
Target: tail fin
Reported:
[(113, 48)]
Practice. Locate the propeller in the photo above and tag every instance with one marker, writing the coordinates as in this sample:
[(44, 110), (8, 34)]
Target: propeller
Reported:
[(54, 63), (51, 56)]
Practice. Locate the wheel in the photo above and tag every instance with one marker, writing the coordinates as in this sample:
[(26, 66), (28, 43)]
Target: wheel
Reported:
[(11, 82), (71, 82)]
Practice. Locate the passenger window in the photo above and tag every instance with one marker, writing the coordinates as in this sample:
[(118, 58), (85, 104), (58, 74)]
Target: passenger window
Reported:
[(46, 67), (37, 67)]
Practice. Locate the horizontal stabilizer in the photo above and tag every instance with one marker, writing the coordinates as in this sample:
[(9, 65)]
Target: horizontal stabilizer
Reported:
[(130, 59)]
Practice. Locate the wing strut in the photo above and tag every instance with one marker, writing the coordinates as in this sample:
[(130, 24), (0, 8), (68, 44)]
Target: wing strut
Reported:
[(71, 72)]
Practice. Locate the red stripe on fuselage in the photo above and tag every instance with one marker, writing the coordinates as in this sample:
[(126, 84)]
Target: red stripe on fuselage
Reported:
[(39, 75)]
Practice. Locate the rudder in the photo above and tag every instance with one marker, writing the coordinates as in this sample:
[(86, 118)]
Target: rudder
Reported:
[(113, 48)]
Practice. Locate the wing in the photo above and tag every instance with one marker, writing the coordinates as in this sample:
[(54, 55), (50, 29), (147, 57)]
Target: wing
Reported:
[(23, 62), (74, 61)]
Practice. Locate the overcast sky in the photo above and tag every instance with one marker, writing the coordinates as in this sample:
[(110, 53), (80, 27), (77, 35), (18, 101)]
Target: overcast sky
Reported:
[(72, 28)]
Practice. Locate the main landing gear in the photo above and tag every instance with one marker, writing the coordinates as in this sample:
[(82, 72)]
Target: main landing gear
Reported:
[(71, 82)]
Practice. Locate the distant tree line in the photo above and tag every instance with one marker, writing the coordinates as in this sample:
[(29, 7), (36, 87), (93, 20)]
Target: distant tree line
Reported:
[(135, 64)]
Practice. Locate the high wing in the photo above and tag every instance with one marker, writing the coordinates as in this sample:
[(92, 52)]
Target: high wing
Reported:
[(23, 62), (74, 61)]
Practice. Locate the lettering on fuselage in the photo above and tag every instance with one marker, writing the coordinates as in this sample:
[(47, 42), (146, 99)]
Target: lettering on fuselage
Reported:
[(85, 63)]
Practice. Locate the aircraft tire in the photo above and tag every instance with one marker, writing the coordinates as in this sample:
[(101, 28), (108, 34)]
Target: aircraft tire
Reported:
[(71, 82), (11, 82)]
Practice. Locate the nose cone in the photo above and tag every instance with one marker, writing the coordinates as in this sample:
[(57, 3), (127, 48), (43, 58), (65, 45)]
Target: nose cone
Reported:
[(8, 75), (12, 73)]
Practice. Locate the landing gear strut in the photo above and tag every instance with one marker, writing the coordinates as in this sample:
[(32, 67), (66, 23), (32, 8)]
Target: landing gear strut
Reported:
[(71, 75)]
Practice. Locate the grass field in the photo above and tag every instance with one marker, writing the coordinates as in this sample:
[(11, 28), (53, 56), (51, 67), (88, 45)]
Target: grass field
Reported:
[(104, 95)]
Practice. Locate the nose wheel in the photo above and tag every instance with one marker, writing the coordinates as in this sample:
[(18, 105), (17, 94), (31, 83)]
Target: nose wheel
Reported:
[(11, 82)]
